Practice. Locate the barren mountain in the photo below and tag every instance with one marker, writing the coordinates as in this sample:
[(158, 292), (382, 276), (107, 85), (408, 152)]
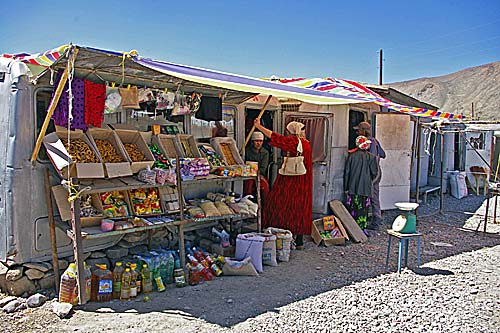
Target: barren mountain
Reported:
[(456, 92)]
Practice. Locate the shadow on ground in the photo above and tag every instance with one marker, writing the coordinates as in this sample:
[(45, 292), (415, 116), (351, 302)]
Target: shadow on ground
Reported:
[(227, 301)]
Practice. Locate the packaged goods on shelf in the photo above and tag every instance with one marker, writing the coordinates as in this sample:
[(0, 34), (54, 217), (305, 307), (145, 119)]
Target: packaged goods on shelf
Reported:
[(145, 201), (114, 204)]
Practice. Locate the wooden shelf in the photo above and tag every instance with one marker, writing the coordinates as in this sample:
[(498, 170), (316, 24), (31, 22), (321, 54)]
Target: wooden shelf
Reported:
[(130, 183), (192, 224)]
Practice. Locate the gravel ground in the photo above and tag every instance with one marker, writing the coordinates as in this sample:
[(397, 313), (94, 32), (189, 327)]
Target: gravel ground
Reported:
[(336, 289)]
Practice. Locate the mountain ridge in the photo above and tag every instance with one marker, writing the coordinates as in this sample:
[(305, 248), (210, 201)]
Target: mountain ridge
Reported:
[(455, 92)]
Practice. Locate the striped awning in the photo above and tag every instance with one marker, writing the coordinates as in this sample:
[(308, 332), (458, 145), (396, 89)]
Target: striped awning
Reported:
[(316, 91), (356, 90), (38, 62)]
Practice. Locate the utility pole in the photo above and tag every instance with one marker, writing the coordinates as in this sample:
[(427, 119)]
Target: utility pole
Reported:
[(472, 110), (380, 68)]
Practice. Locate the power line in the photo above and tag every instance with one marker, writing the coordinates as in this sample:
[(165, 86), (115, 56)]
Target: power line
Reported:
[(445, 35), (412, 55)]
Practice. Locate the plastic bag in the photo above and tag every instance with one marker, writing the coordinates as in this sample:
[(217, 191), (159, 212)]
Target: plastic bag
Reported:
[(239, 267), (250, 245)]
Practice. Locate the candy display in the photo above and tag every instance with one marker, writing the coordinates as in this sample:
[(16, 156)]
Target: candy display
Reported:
[(145, 201), (160, 160), (114, 204), (212, 157), (107, 151), (80, 151), (135, 154)]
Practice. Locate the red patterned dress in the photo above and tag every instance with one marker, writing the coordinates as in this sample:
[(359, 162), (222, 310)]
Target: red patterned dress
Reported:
[(289, 205)]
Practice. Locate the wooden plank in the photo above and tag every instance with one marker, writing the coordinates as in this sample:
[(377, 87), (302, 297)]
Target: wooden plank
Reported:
[(352, 227), (52, 228)]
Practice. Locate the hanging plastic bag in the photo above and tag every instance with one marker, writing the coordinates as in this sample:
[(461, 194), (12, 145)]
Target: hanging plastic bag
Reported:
[(181, 106), (113, 100)]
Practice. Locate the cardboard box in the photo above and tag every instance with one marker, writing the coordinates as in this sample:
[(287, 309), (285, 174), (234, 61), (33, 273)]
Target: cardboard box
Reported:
[(188, 147), (168, 145), (61, 198), (223, 251), (63, 162), (216, 143), (127, 136), (120, 169), (317, 227)]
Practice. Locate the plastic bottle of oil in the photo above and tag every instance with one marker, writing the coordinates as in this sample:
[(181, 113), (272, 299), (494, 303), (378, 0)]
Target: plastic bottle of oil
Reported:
[(102, 284), (117, 280), (67, 287), (147, 279), (133, 281), (125, 290)]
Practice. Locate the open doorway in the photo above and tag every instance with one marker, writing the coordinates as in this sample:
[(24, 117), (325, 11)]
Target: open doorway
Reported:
[(355, 117)]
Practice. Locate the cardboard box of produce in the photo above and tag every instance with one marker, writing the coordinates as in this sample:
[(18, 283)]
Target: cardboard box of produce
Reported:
[(317, 229), (227, 149), (188, 146), (81, 161), (168, 144), (111, 152), (137, 150)]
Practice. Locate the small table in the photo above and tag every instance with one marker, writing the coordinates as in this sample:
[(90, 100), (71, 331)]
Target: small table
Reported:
[(403, 242)]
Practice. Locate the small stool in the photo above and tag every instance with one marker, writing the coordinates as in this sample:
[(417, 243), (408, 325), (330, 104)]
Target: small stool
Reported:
[(403, 241)]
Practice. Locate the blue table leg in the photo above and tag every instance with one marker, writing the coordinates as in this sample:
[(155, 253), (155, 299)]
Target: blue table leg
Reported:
[(400, 254), (388, 251), (418, 252), (406, 251)]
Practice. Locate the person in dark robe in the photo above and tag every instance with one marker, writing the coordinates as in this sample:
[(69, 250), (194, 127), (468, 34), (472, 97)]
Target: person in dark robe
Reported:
[(255, 152), (289, 204), (359, 172)]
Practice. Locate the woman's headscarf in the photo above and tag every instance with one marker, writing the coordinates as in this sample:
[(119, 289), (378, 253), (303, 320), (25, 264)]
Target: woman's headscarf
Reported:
[(362, 142), (294, 127)]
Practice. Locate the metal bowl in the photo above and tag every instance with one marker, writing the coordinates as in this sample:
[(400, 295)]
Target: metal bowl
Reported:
[(406, 205)]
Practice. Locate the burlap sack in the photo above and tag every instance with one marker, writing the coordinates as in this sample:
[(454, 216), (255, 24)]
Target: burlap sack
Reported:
[(283, 242), (130, 98)]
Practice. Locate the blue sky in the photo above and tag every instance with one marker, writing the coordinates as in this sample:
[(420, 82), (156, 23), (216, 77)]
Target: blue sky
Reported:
[(261, 38)]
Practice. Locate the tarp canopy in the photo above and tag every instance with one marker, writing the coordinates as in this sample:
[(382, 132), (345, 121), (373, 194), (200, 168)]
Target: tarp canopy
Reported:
[(357, 90), (130, 68)]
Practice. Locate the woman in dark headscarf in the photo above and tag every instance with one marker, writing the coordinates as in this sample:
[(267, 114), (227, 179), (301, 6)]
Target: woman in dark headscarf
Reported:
[(359, 172), (289, 204)]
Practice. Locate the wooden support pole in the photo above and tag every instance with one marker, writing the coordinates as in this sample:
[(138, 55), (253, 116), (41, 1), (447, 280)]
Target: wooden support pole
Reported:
[(52, 106), (253, 127), (52, 228), (441, 202), (78, 246), (419, 138), (182, 250), (259, 209)]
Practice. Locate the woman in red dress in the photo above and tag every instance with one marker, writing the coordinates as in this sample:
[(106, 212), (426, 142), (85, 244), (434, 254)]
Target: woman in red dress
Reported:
[(289, 204)]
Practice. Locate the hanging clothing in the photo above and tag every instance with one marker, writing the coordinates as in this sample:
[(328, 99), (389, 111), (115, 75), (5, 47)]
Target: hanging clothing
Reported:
[(95, 99), (210, 109), (358, 205), (61, 112), (289, 204)]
